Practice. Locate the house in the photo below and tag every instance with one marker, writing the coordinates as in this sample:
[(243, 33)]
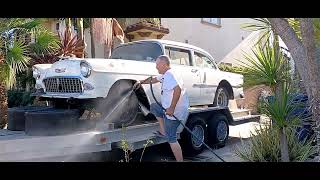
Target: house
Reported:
[(218, 36)]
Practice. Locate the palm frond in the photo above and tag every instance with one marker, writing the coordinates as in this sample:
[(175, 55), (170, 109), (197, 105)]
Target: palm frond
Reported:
[(30, 24), (46, 41), (16, 60), (261, 24)]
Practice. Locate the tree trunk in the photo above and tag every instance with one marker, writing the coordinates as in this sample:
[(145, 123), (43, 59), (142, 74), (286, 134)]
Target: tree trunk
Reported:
[(303, 54), (284, 145), (93, 51), (81, 32), (308, 40), (68, 28), (109, 38), (3, 105), (27, 81)]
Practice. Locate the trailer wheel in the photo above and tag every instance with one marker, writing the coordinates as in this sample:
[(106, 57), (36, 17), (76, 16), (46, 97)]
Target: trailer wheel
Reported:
[(51, 122), (218, 131), (16, 116), (192, 145)]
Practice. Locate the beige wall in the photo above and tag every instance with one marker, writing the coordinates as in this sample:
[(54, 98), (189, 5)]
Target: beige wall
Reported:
[(218, 41)]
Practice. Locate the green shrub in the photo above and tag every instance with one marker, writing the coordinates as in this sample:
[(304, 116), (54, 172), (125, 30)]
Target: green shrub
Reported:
[(19, 98), (264, 146)]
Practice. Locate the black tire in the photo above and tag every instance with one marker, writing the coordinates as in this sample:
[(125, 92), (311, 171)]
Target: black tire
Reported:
[(218, 131), (51, 122), (120, 106), (216, 101), (16, 116), (192, 146)]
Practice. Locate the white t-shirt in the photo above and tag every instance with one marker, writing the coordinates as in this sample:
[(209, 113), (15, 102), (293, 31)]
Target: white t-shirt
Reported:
[(169, 80)]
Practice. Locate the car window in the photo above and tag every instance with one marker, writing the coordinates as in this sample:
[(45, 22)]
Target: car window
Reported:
[(146, 51), (203, 61), (178, 56)]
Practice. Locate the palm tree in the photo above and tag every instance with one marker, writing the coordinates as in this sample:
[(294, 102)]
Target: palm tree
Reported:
[(16, 52)]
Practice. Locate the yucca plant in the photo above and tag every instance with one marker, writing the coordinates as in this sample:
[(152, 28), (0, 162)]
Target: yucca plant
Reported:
[(266, 66), (281, 109)]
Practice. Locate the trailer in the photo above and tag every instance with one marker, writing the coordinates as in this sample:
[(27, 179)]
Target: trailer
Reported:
[(211, 124)]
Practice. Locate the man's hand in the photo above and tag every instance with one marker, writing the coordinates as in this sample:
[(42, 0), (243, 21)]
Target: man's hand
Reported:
[(136, 85), (170, 111)]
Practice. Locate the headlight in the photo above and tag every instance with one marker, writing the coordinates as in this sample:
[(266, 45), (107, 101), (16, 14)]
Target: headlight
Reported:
[(36, 73), (85, 69)]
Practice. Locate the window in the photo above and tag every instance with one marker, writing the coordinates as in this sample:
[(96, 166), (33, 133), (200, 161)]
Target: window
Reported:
[(203, 61), (214, 21), (137, 51), (178, 56)]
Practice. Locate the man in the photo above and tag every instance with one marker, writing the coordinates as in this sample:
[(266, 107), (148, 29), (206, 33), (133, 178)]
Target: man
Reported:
[(174, 99)]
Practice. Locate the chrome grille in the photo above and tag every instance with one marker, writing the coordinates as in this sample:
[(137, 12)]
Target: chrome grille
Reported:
[(63, 85)]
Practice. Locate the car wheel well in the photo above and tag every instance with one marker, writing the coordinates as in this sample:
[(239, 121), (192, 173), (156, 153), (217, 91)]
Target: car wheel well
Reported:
[(227, 86)]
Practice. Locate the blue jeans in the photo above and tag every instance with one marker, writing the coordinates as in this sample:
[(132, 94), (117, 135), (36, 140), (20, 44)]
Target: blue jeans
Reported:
[(170, 126)]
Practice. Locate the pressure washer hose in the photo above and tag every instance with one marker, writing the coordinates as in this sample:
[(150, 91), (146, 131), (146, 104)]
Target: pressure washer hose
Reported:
[(183, 123)]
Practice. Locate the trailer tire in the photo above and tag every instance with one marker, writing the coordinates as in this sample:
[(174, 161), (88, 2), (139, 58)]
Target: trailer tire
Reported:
[(51, 122), (16, 116), (218, 131), (191, 145)]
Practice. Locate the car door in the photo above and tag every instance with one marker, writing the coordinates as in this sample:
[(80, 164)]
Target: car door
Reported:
[(181, 63), (209, 76)]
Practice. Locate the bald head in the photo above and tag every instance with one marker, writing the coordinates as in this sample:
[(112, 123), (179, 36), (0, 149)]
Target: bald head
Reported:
[(165, 59), (162, 64)]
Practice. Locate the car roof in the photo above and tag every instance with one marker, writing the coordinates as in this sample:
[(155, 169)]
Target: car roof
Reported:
[(173, 43)]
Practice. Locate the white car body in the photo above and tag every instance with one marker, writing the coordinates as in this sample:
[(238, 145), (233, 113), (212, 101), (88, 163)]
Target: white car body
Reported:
[(201, 83)]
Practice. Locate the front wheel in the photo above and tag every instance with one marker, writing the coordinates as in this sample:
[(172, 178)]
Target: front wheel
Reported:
[(221, 98)]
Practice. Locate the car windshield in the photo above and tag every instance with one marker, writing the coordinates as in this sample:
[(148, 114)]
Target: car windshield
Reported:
[(147, 51)]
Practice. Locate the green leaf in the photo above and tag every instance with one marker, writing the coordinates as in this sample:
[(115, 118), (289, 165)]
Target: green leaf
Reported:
[(46, 41), (16, 60)]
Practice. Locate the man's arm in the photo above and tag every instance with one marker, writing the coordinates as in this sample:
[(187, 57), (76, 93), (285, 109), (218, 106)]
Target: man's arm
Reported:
[(175, 99), (147, 81)]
